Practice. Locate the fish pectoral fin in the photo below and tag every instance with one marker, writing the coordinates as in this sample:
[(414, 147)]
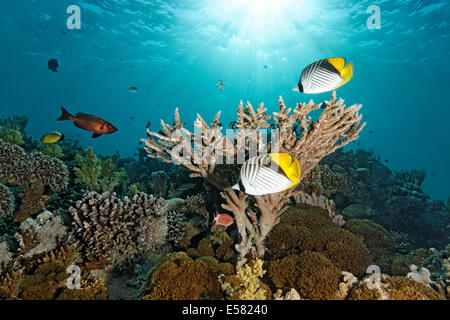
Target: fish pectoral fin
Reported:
[(96, 135)]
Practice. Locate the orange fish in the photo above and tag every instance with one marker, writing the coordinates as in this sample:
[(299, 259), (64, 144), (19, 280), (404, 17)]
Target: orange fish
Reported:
[(89, 122), (223, 219), (43, 205)]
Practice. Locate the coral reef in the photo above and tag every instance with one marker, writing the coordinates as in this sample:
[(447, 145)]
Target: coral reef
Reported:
[(45, 278), (305, 227), (378, 240), (312, 275), (6, 201), (336, 126), (217, 244), (105, 227), (246, 284), (36, 174), (41, 235), (53, 150), (393, 288), (179, 277), (95, 174)]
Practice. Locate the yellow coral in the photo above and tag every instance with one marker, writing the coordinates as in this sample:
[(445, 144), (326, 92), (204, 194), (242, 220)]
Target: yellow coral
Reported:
[(246, 284)]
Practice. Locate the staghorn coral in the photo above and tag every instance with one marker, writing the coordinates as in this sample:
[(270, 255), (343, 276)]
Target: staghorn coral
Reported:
[(6, 202), (179, 277), (247, 284), (311, 274), (204, 151), (95, 174), (105, 227)]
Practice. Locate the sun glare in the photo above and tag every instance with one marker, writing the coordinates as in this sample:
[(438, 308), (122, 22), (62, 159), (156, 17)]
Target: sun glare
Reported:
[(257, 20)]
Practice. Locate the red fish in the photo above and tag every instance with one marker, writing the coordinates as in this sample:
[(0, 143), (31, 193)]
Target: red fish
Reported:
[(223, 219), (89, 122)]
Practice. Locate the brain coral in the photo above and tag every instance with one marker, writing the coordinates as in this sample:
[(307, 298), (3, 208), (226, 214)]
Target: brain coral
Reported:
[(310, 273), (179, 277), (304, 227)]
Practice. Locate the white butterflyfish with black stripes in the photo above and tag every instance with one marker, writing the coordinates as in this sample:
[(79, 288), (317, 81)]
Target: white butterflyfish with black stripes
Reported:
[(324, 75), (268, 173)]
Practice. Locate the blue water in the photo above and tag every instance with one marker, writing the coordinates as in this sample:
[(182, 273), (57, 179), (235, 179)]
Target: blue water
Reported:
[(175, 51)]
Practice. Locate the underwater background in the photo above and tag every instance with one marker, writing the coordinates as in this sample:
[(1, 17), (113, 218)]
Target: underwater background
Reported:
[(174, 53)]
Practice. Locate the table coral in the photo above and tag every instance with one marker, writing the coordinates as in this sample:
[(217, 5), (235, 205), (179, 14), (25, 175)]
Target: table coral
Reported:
[(306, 140)]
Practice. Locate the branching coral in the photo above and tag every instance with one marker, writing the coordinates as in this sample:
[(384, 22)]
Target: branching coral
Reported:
[(205, 151), (40, 235), (95, 174), (106, 227), (247, 284), (34, 173)]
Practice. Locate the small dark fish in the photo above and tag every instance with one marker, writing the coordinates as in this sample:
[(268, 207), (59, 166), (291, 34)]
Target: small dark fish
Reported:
[(265, 66), (371, 131), (219, 84), (323, 105), (233, 124), (148, 125), (63, 32), (133, 89), (53, 65), (89, 122), (132, 118), (386, 160), (140, 143), (358, 144)]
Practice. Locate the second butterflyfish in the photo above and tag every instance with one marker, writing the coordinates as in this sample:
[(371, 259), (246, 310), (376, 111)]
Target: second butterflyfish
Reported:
[(324, 75)]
